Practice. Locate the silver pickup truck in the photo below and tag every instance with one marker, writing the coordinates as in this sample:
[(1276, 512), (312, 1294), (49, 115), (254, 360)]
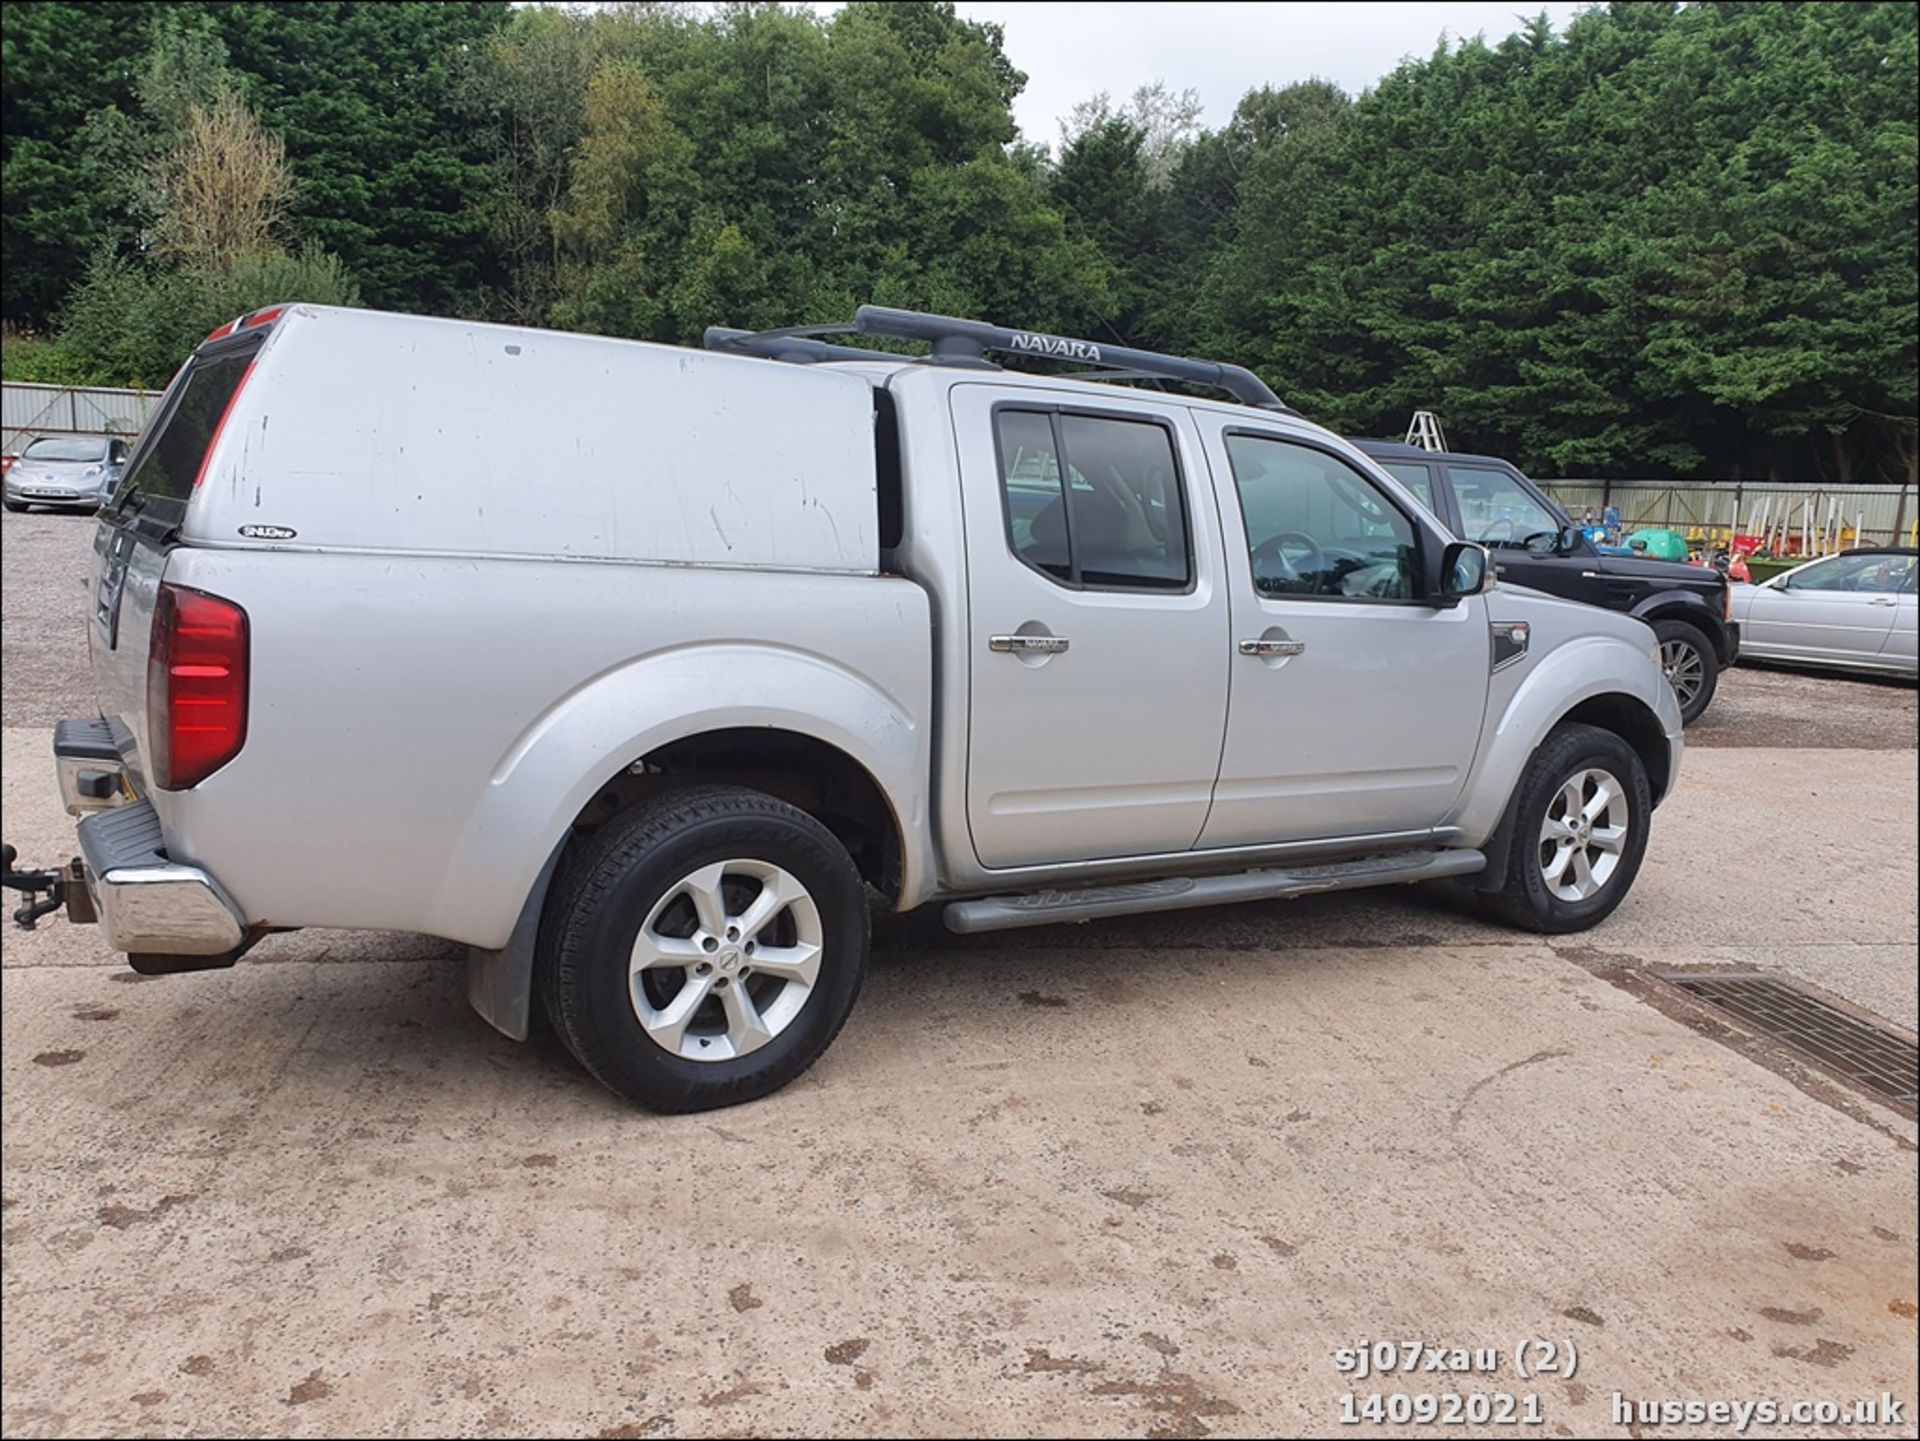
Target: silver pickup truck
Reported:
[(644, 671)]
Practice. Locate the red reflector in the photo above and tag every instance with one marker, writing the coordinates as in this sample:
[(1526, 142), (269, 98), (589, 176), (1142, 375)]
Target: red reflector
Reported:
[(213, 441), (264, 317), (226, 329), (196, 686)]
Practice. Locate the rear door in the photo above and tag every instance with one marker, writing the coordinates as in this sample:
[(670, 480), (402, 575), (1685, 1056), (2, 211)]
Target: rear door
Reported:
[(1097, 639), (1842, 608), (1356, 704), (138, 527), (1902, 648)]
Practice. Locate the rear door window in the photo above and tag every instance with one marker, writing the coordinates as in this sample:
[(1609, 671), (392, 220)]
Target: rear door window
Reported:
[(170, 457), (1112, 517)]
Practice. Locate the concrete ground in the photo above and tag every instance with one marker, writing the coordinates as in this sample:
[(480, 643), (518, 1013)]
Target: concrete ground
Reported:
[(1138, 1177)]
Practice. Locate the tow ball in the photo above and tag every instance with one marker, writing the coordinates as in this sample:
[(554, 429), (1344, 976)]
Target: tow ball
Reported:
[(66, 887)]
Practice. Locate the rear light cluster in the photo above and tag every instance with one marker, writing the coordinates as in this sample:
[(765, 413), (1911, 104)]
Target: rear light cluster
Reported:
[(196, 686)]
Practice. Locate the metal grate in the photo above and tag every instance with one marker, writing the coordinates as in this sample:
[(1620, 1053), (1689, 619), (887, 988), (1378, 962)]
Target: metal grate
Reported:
[(1885, 1064)]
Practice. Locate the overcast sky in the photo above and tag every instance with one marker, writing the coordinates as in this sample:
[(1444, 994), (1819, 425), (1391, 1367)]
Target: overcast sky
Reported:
[(1069, 51)]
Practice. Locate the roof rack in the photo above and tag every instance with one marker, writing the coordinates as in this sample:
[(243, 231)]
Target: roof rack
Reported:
[(792, 345), (966, 342)]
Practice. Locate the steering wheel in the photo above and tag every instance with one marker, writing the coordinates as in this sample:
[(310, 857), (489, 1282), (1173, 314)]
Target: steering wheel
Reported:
[(1487, 536), (1274, 550)]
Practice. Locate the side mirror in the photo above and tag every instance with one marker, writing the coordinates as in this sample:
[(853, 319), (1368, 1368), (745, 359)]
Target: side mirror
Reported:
[(1573, 540), (1464, 570)]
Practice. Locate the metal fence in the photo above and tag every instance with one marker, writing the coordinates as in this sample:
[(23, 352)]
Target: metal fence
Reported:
[(28, 412), (1795, 518)]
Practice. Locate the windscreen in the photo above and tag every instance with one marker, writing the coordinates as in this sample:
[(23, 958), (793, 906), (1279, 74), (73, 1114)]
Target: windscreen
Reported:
[(65, 448), (168, 460)]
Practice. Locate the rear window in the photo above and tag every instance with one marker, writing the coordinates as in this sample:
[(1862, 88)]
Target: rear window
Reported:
[(169, 458)]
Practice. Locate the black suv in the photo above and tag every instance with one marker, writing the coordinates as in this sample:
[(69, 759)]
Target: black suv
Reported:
[(1535, 543)]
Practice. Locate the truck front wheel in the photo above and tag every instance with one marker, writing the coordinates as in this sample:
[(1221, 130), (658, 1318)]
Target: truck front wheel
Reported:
[(1580, 832), (704, 948)]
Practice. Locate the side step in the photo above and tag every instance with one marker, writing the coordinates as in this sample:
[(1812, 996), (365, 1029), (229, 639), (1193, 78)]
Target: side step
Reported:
[(1179, 893)]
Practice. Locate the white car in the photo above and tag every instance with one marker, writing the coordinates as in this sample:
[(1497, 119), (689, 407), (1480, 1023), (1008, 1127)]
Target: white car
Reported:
[(66, 472), (1855, 611)]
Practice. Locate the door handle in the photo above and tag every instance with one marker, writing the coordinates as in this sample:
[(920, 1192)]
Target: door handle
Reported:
[(1883, 600), (1028, 644), (1272, 647)]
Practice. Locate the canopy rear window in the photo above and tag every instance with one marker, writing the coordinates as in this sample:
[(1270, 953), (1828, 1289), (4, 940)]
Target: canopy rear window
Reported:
[(170, 456)]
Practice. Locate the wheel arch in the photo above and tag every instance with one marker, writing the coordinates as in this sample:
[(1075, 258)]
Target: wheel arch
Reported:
[(1623, 715), (810, 773), (1601, 675), (667, 715), (1685, 605)]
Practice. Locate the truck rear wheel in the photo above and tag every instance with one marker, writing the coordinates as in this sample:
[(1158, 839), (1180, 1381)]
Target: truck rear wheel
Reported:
[(1692, 667), (704, 948), (1580, 832)]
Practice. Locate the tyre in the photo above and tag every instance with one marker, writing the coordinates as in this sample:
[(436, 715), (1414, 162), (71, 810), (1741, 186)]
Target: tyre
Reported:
[(704, 948), (1692, 667), (1580, 832)]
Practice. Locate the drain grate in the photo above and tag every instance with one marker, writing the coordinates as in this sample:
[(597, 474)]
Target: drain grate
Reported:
[(1885, 1064)]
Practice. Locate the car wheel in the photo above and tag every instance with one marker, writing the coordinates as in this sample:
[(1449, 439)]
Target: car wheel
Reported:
[(1580, 832), (1692, 668), (704, 948)]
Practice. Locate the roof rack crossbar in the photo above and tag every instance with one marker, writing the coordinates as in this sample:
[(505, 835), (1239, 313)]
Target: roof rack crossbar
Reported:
[(960, 340), (788, 345)]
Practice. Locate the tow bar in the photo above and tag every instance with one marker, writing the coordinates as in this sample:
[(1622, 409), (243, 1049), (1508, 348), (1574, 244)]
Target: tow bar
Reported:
[(66, 887)]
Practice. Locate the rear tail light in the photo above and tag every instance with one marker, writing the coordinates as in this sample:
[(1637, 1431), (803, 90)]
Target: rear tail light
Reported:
[(196, 686)]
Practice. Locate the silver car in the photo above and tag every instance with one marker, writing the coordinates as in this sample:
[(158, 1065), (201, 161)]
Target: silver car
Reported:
[(66, 471), (1855, 611)]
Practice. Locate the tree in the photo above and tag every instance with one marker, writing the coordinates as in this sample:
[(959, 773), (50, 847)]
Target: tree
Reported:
[(362, 97), (60, 197), (1167, 121), (223, 186)]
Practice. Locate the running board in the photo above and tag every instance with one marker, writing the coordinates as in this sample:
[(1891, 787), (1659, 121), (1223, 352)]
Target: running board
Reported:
[(1179, 893)]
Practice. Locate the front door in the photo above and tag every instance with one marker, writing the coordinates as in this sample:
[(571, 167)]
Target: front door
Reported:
[(1097, 629), (1356, 706), (1497, 511)]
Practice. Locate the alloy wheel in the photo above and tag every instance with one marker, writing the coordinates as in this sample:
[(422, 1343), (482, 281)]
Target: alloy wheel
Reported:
[(1583, 834), (725, 960)]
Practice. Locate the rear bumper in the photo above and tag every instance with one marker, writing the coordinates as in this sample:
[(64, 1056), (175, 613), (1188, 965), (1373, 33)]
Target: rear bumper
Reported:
[(87, 756), (146, 902)]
